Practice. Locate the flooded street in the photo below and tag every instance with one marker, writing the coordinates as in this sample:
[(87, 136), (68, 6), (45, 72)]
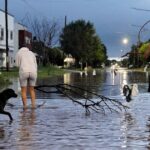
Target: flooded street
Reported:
[(61, 124)]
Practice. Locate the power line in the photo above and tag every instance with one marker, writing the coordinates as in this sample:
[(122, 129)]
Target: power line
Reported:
[(139, 26), (33, 8), (141, 9)]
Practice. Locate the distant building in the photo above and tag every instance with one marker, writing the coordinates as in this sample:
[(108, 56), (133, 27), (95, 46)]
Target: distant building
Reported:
[(69, 61), (115, 58), (18, 36), (3, 39)]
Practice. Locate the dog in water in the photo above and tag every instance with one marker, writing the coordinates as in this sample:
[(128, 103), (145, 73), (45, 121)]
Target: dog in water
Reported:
[(129, 91), (4, 96)]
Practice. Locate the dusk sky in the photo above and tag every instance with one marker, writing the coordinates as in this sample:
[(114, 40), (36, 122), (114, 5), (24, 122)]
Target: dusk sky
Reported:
[(112, 19)]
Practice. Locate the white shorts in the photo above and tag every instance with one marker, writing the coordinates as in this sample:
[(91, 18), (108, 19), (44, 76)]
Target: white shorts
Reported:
[(27, 78)]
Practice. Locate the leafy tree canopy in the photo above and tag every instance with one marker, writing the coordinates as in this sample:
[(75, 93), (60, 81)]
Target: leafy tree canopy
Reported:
[(80, 40), (144, 47)]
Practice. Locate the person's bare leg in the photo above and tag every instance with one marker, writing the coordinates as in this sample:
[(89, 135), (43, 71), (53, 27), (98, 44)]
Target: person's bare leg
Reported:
[(32, 93), (24, 96)]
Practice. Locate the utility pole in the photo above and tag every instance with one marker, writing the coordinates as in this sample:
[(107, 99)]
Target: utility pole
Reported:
[(6, 26), (64, 27), (65, 21)]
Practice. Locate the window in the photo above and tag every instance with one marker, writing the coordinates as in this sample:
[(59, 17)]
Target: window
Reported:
[(2, 34), (11, 35), (27, 40)]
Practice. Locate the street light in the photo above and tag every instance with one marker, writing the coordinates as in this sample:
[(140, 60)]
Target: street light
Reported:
[(125, 41), (139, 33)]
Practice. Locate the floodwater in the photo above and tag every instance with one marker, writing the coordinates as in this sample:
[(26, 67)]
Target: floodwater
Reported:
[(60, 124)]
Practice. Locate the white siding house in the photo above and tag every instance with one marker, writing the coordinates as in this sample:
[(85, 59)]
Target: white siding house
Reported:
[(3, 39)]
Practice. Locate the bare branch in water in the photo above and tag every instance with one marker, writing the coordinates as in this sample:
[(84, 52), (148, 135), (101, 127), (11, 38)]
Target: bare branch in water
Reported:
[(74, 93)]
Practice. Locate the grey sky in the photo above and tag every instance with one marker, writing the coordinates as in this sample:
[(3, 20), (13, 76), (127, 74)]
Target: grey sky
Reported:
[(112, 19)]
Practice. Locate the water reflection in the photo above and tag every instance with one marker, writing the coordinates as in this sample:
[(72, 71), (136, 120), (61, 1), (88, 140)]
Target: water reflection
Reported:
[(148, 130), (128, 121), (124, 79), (67, 78), (90, 82), (104, 82), (6, 135), (2, 133), (63, 125), (2, 137), (25, 129)]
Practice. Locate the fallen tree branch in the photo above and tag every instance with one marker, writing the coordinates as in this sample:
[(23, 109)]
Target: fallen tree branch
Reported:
[(76, 94)]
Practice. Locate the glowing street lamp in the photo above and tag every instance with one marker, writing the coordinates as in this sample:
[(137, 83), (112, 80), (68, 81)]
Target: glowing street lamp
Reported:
[(125, 41)]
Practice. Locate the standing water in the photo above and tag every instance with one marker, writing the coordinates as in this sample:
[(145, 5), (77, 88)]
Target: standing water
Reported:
[(61, 124)]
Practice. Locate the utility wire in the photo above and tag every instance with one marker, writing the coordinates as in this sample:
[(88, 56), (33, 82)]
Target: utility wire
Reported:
[(33, 8), (141, 9)]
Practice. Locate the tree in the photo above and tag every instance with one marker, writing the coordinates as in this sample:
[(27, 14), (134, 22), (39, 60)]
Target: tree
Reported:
[(140, 54), (133, 55), (55, 56), (144, 52), (45, 33), (80, 40)]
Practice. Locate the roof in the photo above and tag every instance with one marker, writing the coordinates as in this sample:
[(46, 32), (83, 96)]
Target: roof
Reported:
[(8, 13)]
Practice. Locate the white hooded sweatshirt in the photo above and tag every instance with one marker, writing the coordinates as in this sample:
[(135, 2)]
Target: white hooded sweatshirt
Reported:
[(26, 61)]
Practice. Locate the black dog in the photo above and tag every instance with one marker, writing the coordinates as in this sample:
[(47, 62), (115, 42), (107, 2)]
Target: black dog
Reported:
[(4, 96), (127, 92)]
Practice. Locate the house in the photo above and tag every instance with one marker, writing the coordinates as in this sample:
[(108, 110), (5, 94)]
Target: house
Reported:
[(69, 61), (3, 39), (18, 36)]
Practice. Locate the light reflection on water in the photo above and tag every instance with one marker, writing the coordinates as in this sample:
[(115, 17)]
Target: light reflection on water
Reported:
[(62, 125)]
